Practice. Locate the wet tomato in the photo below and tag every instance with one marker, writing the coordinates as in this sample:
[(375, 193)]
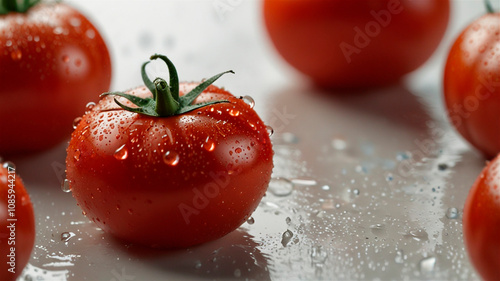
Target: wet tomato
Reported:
[(17, 224), (170, 165), (481, 222), (472, 84), (356, 43), (52, 62)]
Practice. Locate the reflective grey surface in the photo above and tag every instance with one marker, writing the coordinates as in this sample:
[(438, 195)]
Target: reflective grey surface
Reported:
[(366, 186)]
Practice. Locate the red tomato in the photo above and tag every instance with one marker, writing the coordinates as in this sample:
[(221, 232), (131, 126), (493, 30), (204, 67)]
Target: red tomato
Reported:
[(481, 222), (52, 63), (172, 181), (472, 84), (356, 43), (17, 236)]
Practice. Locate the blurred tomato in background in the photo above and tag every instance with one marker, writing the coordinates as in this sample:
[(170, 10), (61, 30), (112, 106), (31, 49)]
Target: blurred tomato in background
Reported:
[(53, 61), (356, 43), (472, 84)]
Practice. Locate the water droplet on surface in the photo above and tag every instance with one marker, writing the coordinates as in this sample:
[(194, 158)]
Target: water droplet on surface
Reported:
[(403, 156), (287, 236), (251, 220), (16, 55), (318, 256), (325, 187), (76, 121), (288, 220), (400, 257), (427, 265), (339, 143), (66, 236), (270, 130), (355, 191), (442, 166), (452, 213), (237, 272), (65, 58), (65, 186), (280, 187), (248, 100), (389, 177), (418, 235), (171, 158), (121, 153)]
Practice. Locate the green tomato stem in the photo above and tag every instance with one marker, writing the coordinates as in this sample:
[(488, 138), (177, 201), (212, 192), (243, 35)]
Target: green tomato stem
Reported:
[(166, 105), (8, 6)]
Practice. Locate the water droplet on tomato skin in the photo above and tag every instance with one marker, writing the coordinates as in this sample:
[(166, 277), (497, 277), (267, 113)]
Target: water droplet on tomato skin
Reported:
[(270, 130), (65, 186), (248, 100), (65, 58), (171, 158), (209, 144), (90, 105), (234, 112), (76, 121), (16, 55), (121, 153)]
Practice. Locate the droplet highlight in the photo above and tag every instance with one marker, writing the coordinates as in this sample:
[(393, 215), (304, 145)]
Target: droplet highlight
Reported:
[(121, 153), (171, 158)]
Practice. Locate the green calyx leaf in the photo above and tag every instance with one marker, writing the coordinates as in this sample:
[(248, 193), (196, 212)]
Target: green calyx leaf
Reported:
[(489, 6), (166, 100), (19, 6)]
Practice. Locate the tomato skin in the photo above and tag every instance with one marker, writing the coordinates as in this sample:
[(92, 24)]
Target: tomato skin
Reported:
[(472, 84), (481, 222), (53, 61), (217, 170), (24, 226), (318, 38)]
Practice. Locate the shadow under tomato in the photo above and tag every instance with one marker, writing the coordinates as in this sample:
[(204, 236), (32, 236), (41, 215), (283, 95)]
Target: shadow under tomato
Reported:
[(233, 257)]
